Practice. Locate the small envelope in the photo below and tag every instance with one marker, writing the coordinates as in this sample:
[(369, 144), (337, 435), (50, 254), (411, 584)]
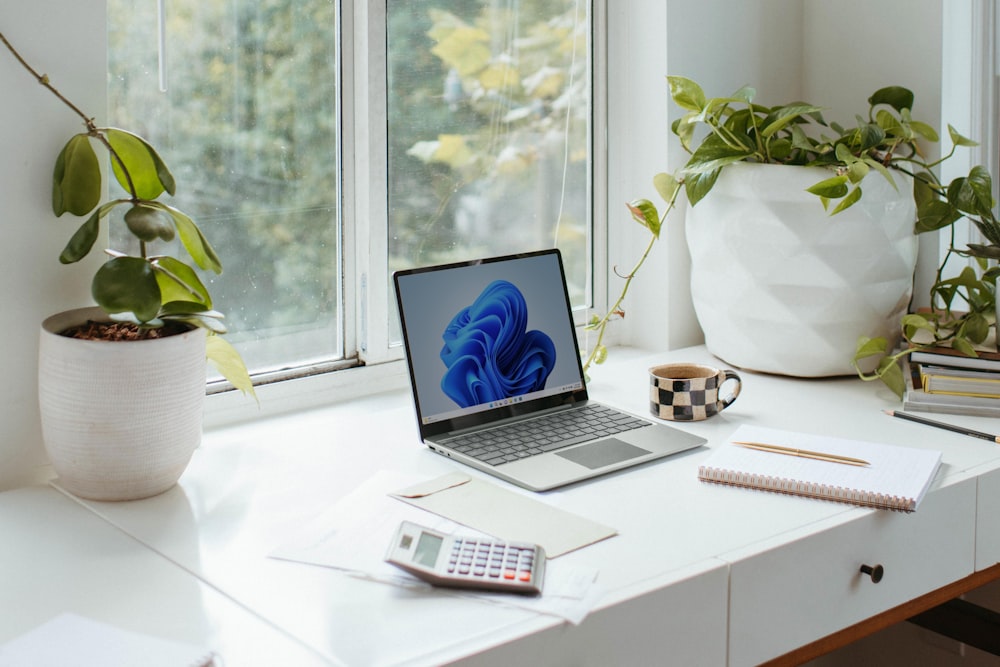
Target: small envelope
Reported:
[(505, 514)]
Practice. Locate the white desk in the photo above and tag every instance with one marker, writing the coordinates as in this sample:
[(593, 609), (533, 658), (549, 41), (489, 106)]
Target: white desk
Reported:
[(700, 573)]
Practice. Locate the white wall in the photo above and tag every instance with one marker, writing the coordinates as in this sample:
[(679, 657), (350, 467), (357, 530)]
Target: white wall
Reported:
[(66, 40)]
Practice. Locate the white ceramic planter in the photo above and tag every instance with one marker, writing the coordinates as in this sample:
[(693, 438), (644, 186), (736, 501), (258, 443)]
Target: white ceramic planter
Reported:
[(120, 420), (781, 286)]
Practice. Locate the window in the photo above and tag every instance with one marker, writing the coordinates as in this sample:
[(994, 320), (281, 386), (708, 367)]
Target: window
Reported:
[(487, 150)]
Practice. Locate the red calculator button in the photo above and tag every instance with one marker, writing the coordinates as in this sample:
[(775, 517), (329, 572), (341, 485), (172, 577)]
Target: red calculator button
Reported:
[(525, 576), (509, 574)]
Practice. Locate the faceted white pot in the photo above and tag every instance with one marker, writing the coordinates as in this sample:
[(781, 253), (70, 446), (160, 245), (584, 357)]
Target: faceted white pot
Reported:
[(781, 286), (120, 420)]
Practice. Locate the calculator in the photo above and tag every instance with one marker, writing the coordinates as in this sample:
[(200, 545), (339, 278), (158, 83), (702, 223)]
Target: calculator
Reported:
[(468, 562)]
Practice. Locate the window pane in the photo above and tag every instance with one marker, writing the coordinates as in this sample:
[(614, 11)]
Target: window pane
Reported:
[(243, 107), (489, 134)]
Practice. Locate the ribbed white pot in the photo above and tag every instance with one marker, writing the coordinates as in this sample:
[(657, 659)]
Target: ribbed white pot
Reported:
[(781, 286), (120, 420)]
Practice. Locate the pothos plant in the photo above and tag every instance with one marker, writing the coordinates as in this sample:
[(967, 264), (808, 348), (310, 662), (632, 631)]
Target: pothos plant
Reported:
[(717, 132), (145, 289)]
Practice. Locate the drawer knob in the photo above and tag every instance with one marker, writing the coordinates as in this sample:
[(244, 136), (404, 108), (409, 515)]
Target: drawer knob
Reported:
[(875, 572)]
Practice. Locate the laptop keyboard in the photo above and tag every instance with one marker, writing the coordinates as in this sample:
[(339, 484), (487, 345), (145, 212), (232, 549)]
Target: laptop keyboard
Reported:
[(543, 434)]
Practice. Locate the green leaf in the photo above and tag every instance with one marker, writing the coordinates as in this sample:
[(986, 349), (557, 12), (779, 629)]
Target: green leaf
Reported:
[(228, 362), (912, 322), (686, 93), (869, 347), (925, 131), (958, 139), (148, 223), (644, 212), (179, 282), (82, 241), (714, 153), (696, 186), (972, 194), (935, 214), (897, 97), (127, 284), (976, 327), (988, 251), (76, 180), (892, 375), (834, 187), (964, 346), (194, 241), (666, 185), (782, 116), (848, 201), (150, 175)]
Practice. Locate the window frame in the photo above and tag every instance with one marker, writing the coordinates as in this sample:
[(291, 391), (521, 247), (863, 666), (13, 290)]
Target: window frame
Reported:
[(378, 363)]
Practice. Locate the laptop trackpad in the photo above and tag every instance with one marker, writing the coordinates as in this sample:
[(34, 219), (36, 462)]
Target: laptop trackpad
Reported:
[(602, 453)]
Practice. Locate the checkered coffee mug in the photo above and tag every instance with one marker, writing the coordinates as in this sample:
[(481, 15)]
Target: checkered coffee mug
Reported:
[(689, 392)]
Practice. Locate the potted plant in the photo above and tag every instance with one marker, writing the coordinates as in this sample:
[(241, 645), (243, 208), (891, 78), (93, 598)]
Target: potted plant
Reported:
[(121, 386), (755, 310)]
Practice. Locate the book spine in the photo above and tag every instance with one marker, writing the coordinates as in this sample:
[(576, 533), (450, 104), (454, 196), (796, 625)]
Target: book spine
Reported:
[(806, 489)]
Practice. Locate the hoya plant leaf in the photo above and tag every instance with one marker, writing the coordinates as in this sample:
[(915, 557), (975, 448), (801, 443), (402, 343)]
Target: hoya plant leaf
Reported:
[(82, 241), (150, 176), (194, 241), (224, 357), (179, 282), (127, 284), (76, 180), (149, 223)]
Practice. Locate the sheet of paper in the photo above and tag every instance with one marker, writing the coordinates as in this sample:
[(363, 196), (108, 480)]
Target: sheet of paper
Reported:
[(354, 535), (497, 511), (69, 639)]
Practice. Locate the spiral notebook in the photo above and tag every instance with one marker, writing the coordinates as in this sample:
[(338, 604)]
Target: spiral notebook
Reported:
[(896, 478)]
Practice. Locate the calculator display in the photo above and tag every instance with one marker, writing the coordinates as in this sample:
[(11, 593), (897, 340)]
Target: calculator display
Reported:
[(428, 547)]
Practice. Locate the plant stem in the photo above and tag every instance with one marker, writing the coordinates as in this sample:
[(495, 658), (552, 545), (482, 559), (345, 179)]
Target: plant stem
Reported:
[(92, 129), (615, 310), (601, 325)]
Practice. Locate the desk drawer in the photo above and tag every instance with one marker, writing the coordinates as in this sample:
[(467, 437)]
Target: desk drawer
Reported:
[(804, 590), (988, 528)]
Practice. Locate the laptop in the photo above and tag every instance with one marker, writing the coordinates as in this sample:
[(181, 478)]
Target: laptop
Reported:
[(491, 348)]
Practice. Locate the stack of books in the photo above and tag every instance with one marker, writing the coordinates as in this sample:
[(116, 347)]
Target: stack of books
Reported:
[(943, 380)]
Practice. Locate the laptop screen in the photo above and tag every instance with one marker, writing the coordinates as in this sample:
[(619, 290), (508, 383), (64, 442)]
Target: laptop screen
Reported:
[(488, 339)]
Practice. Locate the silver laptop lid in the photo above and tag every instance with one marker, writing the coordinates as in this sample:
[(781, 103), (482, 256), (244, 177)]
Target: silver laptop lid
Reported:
[(488, 339)]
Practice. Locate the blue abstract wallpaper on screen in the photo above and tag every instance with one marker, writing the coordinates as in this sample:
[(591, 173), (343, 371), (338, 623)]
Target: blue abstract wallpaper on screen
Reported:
[(488, 352)]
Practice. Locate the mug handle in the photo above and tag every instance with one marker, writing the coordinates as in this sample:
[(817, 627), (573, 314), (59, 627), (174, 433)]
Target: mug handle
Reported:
[(730, 375)]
